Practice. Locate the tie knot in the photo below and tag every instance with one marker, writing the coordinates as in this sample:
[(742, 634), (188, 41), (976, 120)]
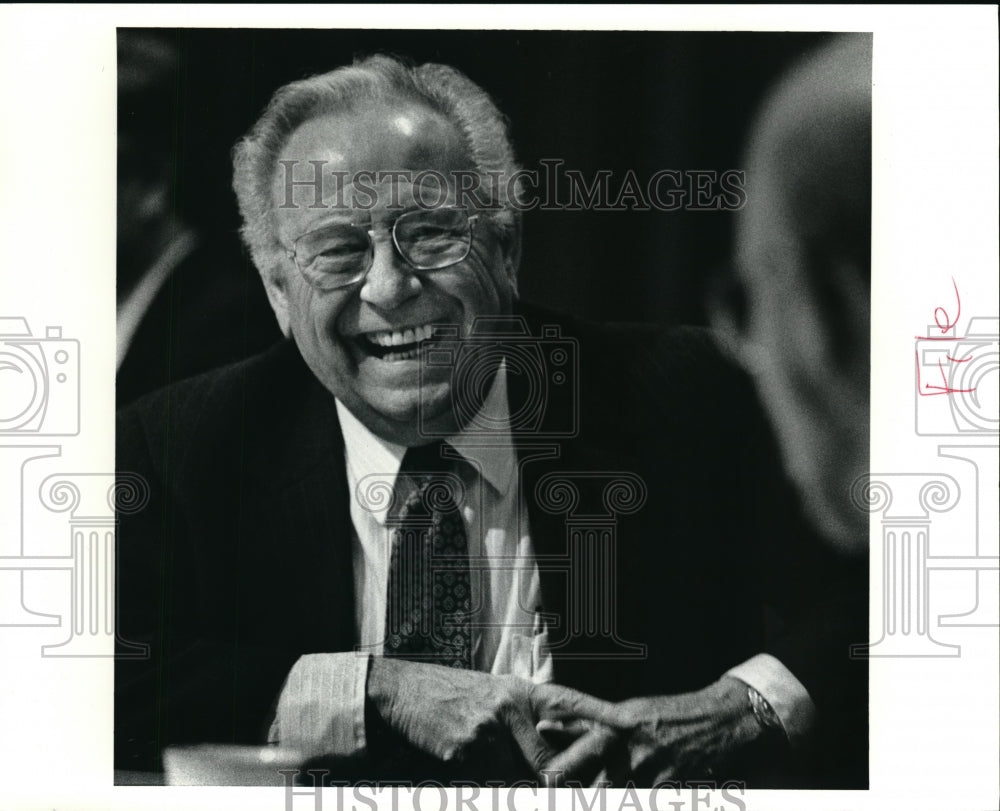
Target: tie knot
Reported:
[(429, 481), (437, 457)]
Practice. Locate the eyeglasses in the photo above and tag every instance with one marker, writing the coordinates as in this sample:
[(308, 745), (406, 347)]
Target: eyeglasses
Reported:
[(341, 254)]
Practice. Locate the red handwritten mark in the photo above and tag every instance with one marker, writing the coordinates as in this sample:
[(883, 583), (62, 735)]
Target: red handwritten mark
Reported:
[(940, 314), (936, 390), (948, 325)]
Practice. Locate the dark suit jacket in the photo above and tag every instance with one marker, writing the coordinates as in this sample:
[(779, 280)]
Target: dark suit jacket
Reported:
[(241, 560), (211, 310)]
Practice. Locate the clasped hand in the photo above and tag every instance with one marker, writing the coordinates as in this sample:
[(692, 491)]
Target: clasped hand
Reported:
[(711, 733), (480, 723), (507, 728)]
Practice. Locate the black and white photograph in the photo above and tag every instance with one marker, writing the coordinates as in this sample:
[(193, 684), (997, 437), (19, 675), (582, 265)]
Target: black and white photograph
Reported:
[(508, 412), (503, 509)]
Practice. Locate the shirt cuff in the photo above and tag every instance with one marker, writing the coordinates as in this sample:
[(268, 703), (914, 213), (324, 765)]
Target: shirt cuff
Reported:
[(321, 709), (786, 694)]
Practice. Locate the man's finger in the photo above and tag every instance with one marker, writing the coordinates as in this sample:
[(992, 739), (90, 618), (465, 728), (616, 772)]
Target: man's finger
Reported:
[(560, 734), (533, 746), (550, 701), (584, 759)]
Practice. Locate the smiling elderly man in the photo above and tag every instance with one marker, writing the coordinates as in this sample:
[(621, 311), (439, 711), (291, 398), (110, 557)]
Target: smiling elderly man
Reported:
[(436, 529)]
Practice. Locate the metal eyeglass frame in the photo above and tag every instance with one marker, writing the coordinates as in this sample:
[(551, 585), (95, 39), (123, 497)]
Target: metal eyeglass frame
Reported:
[(370, 232)]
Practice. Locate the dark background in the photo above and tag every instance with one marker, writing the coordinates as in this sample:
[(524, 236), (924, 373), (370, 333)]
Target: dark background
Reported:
[(596, 100)]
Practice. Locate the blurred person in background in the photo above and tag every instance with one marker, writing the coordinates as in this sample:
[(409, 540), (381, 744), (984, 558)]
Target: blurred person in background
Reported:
[(796, 311), (801, 304), (183, 305), (800, 313)]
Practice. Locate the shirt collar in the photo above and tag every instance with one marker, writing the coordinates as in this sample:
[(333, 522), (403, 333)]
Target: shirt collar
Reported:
[(371, 456)]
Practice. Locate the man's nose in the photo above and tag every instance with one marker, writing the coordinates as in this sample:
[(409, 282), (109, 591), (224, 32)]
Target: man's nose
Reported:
[(390, 281)]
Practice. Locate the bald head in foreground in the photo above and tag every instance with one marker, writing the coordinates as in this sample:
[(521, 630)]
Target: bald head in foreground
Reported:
[(803, 262)]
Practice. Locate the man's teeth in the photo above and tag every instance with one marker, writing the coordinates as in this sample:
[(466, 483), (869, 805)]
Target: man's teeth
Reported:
[(410, 354), (400, 338)]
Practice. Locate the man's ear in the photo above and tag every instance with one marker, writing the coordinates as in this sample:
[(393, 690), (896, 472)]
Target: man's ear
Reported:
[(512, 249), (274, 286), (844, 299)]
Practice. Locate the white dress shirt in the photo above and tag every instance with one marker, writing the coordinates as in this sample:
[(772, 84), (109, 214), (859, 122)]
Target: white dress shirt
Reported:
[(321, 706), (503, 574)]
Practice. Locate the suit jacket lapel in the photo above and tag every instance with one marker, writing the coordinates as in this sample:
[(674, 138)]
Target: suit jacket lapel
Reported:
[(299, 466), (554, 464)]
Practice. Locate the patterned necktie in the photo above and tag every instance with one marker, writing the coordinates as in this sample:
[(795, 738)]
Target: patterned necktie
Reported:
[(429, 603)]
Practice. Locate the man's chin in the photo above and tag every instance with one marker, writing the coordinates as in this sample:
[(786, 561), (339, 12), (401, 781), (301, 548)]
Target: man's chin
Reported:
[(409, 416)]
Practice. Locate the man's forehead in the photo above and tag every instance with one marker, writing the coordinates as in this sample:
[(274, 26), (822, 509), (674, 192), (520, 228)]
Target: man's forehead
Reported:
[(334, 160), (403, 136)]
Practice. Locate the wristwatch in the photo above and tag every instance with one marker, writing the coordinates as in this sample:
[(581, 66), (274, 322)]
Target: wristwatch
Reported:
[(765, 715)]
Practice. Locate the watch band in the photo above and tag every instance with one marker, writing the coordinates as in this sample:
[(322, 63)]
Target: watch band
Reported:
[(765, 714)]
